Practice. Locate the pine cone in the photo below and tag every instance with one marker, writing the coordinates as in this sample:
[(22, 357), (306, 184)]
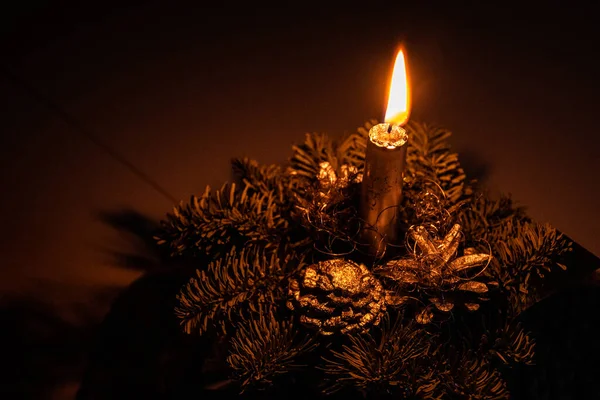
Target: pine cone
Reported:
[(440, 278), (337, 296), (322, 203)]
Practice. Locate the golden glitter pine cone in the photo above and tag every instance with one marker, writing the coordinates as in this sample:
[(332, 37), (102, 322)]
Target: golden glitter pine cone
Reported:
[(337, 296)]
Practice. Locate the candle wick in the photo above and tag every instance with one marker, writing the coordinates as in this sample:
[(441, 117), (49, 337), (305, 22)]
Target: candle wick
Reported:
[(389, 129)]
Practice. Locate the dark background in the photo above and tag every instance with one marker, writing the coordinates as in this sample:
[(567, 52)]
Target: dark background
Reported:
[(175, 92)]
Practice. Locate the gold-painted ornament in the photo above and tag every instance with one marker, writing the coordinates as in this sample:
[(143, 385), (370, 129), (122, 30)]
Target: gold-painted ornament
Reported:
[(328, 190), (440, 277), (328, 177), (337, 296), (324, 207)]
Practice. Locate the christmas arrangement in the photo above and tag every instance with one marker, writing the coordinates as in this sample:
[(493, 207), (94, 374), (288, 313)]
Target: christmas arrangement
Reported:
[(437, 318), (303, 288)]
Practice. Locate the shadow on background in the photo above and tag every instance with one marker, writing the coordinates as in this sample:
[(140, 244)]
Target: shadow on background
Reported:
[(138, 230), (475, 166), (566, 326), (139, 350), (47, 348), (44, 354)]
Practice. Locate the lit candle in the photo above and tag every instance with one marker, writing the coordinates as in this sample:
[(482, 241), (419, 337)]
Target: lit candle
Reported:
[(384, 166)]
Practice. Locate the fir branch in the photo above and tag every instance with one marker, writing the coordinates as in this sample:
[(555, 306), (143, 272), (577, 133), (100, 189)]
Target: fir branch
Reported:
[(429, 159), (489, 220), (536, 249), (512, 346), (473, 378), (524, 258), (318, 148), (223, 218), (524, 251), (261, 178), (352, 148), (518, 296), (264, 349), (239, 281), (306, 158), (396, 362)]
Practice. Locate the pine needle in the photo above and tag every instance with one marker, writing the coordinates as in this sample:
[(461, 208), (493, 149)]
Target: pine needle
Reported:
[(398, 361), (473, 378), (240, 281), (221, 219), (513, 346), (265, 348)]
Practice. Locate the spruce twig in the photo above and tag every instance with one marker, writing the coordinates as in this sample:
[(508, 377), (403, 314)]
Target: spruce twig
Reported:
[(222, 219), (265, 348), (429, 159), (351, 150), (513, 346), (306, 158), (488, 220), (535, 251), (263, 179), (472, 377), (398, 361), (524, 258), (240, 281)]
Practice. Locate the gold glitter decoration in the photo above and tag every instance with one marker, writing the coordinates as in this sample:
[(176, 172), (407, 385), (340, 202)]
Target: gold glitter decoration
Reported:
[(328, 177), (473, 286), (434, 270), (337, 296), (424, 317), (472, 306), (390, 137), (329, 189), (322, 197), (325, 208)]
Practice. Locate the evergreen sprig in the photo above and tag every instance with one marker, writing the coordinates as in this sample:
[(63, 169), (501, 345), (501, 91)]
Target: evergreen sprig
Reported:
[(473, 378), (265, 348), (429, 159), (513, 346), (222, 219), (535, 251), (307, 157), (242, 280), (351, 149), (318, 148), (485, 219), (262, 178), (524, 258), (397, 362), (524, 251)]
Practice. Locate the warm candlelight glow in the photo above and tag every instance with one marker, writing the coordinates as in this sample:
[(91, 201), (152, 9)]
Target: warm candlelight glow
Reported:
[(398, 107)]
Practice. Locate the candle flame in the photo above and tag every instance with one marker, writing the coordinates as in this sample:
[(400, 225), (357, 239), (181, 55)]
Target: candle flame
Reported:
[(398, 107)]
